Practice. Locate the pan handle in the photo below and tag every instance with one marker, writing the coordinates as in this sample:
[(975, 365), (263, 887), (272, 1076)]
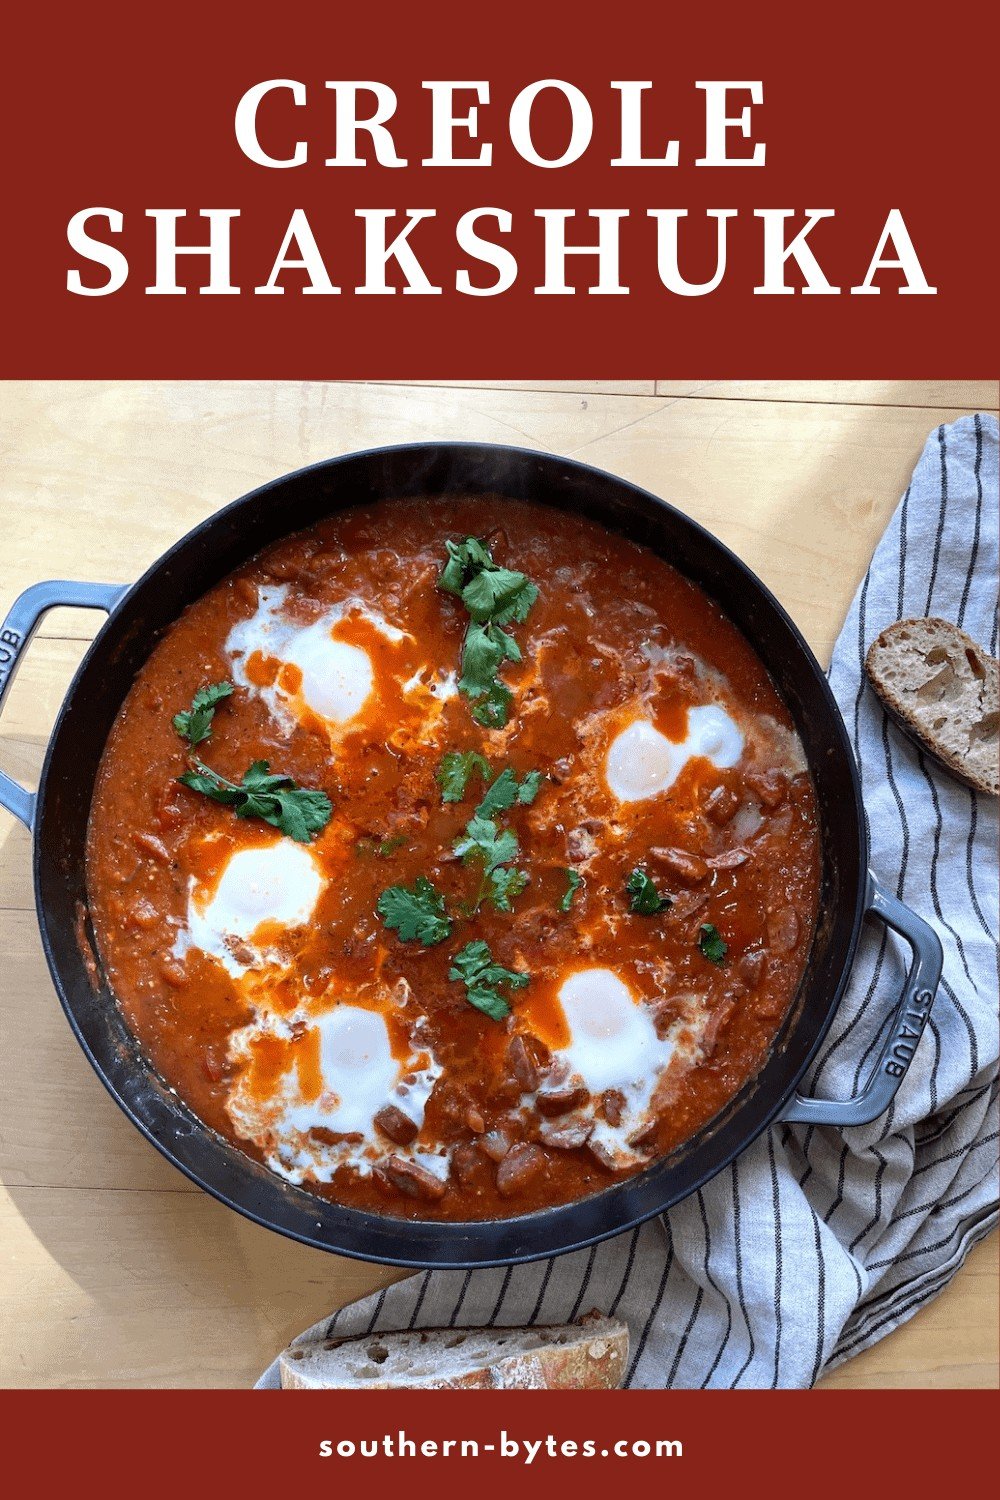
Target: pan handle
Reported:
[(908, 1022), (15, 634)]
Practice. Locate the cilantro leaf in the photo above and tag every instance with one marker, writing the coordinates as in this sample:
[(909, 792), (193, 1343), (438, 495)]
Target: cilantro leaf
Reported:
[(484, 840), (473, 965), (482, 654), (712, 944), (531, 785), (457, 769), (493, 710), (416, 913), (500, 796), (573, 884), (644, 897), (517, 609), (464, 559), (494, 593), (195, 724), (506, 884), (299, 812), (506, 790)]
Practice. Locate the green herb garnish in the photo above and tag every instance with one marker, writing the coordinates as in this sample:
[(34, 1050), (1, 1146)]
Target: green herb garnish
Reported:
[(474, 966), (416, 913), (573, 884), (712, 944), (380, 848), (486, 840), (298, 811), (506, 790), (494, 847), (456, 771), (195, 723), (505, 884), (643, 895), (494, 597)]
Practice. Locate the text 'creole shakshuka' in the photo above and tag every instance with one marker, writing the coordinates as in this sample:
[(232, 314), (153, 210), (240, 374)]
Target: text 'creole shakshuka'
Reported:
[(454, 858)]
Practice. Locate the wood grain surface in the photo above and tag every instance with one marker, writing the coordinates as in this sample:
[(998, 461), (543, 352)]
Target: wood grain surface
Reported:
[(115, 1270)]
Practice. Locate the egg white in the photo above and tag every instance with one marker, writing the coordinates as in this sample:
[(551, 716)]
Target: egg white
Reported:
[(337, 677), (274, 883), (359, 1075), (642, 762), (613, 1044)]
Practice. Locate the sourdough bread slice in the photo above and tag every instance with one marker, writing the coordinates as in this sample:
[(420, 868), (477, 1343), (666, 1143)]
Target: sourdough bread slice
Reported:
[(943, 690), (589, 1355)]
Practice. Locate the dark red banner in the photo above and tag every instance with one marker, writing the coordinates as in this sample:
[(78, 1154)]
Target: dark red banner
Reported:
[(588, 1444), (874, 131)]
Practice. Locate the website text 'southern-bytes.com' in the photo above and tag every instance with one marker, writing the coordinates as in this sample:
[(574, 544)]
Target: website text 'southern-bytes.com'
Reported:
[(521, 1449)]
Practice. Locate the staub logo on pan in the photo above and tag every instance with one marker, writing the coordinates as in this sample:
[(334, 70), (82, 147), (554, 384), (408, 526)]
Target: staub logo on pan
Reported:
[(911, 1028), (11, 642)]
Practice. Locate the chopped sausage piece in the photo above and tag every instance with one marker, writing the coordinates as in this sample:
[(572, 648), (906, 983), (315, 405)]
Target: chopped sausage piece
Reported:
[(522, 1166), (665, 1013), (602, 1156), (730, 860), (719, 1018), (770, 787), (720, 805), (645, 1137), (468, 1165), (522, 1064), (474, 1120), (496, 1144), (413, 1180), (396, 1125), (565, 1136), (783, 929), (751, 967), (148, 843), (553, 1102), (612, 1106), (690, 868)]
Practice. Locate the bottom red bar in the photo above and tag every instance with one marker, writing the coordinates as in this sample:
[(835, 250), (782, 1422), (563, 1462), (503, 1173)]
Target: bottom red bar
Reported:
[(513, 1444)]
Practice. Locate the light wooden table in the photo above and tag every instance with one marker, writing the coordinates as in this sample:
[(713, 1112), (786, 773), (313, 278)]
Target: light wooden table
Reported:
[(115, 1270)]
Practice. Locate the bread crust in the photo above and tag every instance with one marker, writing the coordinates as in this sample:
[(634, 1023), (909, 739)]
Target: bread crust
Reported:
[(910, 713), (594, 1360)]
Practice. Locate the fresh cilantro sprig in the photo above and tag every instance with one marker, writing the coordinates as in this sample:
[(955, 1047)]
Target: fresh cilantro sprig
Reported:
[(494, 597), (299, 812), (712, 944), (474, 966), (416, 912), (195, 723), (644, 898), (573, 884), (496, 848)]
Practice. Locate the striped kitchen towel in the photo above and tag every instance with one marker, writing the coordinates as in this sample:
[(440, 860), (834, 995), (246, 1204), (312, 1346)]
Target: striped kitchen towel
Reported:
[(815, 1243)]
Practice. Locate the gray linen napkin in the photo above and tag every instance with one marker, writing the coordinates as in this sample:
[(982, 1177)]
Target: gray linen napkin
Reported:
[(816, 1243)]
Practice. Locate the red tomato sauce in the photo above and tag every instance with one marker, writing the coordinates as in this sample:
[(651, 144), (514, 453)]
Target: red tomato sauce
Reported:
[(615, 634)]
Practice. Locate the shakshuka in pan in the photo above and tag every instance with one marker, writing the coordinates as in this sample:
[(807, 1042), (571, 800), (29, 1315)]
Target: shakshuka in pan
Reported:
[(454, 858)]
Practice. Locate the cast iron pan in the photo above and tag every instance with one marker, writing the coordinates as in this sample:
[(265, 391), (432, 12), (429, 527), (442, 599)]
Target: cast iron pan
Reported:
[(57, 814)]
